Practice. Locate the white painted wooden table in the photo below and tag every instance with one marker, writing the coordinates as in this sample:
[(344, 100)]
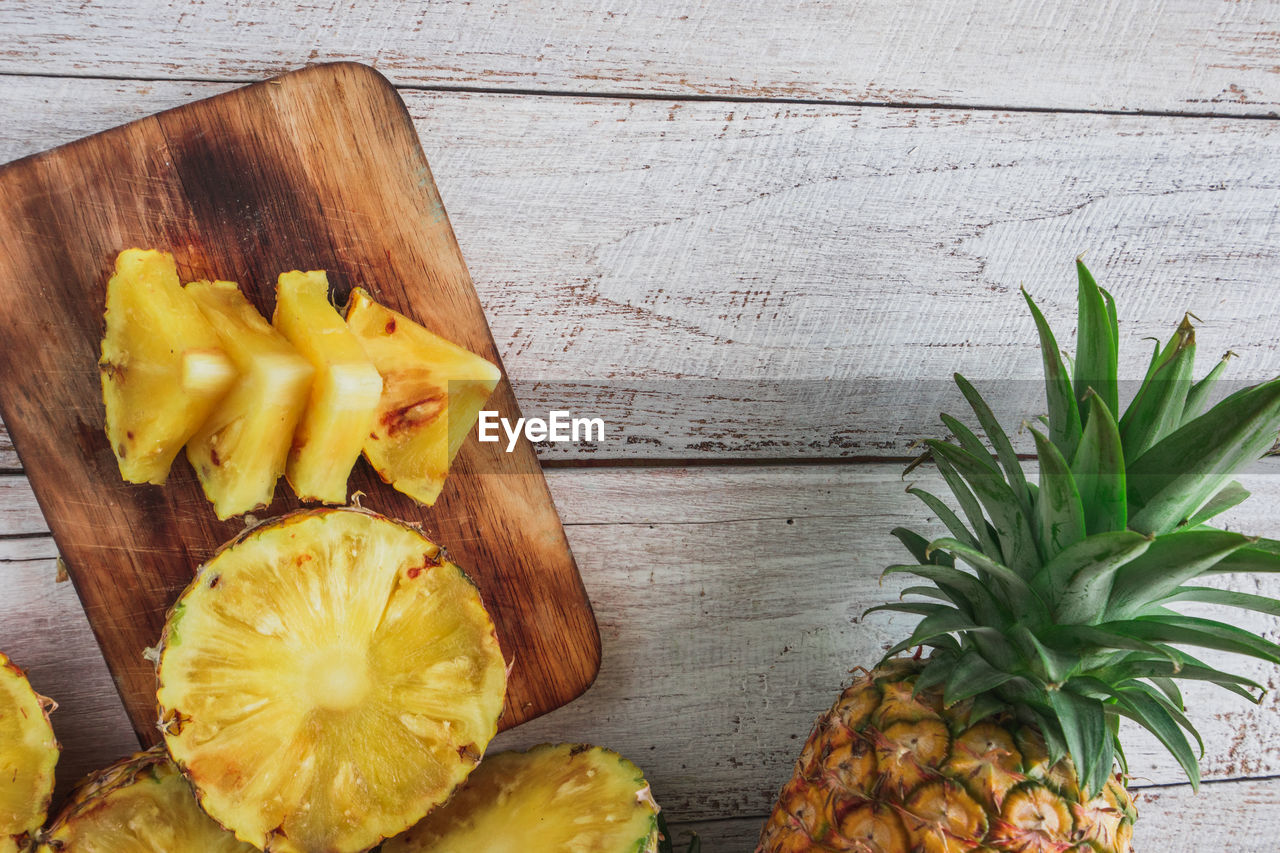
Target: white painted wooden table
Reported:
[(849, 193)]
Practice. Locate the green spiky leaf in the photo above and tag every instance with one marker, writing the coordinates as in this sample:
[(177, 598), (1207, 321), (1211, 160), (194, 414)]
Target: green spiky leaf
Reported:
[(1097, 556), (1158, 407), (1013, 526), (1084, 728), (1059, 510), (1171, 561), (968, 440), (1231, 495), (1160, 721), (1097, 353), (949, 519), (969, 676), (1198, 396), (1013, 473), (1065, 425), (1168, 483), (1099, 472), (918, 546)]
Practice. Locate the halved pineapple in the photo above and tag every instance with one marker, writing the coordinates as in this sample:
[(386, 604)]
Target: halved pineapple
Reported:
[(432, 393), (344, 394), (163, 368), (140, 804), (241, 449), (327, 679), (547, 800), (28, 753)]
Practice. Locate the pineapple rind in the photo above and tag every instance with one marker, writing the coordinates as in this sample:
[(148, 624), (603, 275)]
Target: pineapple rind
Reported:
[(812, 812), (28, 753), (141, 804), (163, 368), (549, 799), (241, 450), (432, 393), (344, 394), (327, 679)]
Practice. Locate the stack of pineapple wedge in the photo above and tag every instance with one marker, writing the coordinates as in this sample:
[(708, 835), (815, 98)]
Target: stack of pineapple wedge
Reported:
[(303, 396)]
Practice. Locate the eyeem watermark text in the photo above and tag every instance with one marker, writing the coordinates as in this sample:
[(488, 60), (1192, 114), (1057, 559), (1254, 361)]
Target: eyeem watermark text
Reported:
[(559, 427)]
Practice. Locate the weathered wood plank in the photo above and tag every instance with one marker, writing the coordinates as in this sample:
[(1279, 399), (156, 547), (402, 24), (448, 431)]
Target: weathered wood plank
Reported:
[(1175, 55), (729, 602), (756, 281)]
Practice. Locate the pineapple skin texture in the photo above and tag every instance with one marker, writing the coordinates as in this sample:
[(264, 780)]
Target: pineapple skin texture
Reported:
[(887, 772), (549, 799), (28, 753), (140, 804), (344, 393)]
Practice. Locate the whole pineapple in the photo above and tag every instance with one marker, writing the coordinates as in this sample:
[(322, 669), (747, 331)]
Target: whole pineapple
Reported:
[(1047, 618)]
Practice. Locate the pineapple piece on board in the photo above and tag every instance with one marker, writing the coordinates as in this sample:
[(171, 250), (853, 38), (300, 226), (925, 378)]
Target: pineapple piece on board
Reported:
[(547, 800), (432, 393), (326, 680), (241, 449), (28, 753), (344, 393), (163, 367)]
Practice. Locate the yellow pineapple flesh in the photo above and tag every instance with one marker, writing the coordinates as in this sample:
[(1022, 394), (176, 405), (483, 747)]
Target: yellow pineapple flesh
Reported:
[(890, 770), (163, 368), (547, 800), (344, 393), (141, 804), (241, 449), (326, 680), (432, 393), (28, 753)]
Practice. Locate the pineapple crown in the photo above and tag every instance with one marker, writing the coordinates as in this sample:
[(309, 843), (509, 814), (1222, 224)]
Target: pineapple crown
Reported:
[(1052, 601)]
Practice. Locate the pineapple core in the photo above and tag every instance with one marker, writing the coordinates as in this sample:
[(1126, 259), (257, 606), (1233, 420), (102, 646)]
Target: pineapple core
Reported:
[(241, 450), (344, 394), (432, 393), (163, 368)]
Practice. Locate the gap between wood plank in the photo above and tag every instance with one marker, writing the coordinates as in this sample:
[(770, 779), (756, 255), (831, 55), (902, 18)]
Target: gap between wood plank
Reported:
[(690, 97)]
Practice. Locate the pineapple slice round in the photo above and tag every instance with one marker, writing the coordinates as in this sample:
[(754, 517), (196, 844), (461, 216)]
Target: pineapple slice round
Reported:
[(547, 800), (327, 679), (28, 753), (138, 805)]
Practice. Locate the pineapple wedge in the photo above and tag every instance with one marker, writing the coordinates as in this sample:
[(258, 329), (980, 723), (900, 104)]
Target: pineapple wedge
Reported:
[(163, 368), (241, 449), (326, 680), (28, 753), (344, 394), (140, 804), (547, 800), (432, 393)]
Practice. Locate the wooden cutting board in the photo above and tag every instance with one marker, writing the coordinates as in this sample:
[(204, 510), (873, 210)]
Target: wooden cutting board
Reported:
[(318, 169)]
